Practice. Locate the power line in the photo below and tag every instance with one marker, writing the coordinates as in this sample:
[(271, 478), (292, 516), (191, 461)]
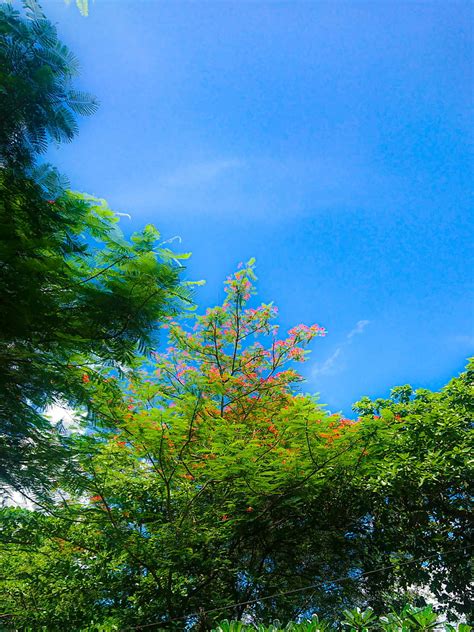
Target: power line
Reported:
[(338, 580)]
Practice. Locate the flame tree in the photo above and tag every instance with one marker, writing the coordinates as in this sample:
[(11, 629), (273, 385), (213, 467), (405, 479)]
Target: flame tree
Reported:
[(218, 483)]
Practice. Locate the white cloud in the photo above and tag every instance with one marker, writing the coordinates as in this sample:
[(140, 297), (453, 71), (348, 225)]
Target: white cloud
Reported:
[(358, 329), (328, 367), (333, 364), (464, 340), (198, 174)]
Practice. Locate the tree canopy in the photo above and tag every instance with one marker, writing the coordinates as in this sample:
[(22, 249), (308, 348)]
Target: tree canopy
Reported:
[(202, 484), (38, 102), (76, 295), (218, 483)]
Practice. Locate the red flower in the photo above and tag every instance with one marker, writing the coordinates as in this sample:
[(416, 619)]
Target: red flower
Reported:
[(224, 517), (249, 509), (85, 378), (50, 201), (96, 499)]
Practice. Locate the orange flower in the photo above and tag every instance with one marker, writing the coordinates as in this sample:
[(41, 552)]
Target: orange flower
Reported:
[(85, 378)]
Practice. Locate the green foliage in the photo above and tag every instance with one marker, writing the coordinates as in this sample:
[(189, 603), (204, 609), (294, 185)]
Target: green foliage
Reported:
[(218, 486), (78, 299), (207, 483), (313, 625), (358, 620), (409, 619), (37, 100), (82, 5), (421, 490)]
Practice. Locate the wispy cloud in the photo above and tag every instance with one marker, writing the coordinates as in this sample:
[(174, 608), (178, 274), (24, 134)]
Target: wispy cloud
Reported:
[(358, 329), (332, 364), (261, 186), (461, 339), (329, 366), (198, 174)]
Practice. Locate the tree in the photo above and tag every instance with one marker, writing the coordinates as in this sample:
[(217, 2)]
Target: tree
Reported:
[(357, 620), (77, 299), (219, 490), (37, 100), (420, 490)]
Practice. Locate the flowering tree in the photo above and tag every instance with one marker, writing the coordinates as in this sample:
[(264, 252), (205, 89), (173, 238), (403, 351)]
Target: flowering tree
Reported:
[(216, 490)]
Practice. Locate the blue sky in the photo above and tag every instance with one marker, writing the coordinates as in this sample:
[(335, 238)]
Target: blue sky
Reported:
[(330, 140)]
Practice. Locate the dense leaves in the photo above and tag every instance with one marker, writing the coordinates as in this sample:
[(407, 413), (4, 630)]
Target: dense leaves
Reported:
[(77, 299), (217, 483), (357, 620), (421, 492), (203, 483), (37, 100)]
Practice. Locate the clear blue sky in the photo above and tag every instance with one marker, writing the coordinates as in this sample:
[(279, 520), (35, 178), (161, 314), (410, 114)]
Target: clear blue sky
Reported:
[(330, 140)]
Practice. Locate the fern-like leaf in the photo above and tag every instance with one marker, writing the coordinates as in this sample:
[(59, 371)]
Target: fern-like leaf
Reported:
[(33, 10), (82, 103), (64, 126), (60, 58)]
